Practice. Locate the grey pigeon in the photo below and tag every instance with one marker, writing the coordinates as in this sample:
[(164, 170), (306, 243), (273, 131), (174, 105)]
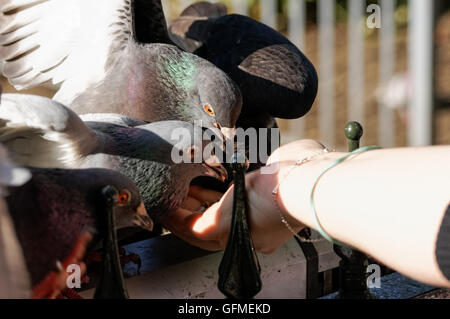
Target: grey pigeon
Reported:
[(53, 209), (103, 55), (15, 281), (276, 79), (43, 133)]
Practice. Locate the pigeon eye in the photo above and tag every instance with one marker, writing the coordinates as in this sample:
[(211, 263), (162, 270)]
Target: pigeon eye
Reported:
[(124, 198), (208, 109)]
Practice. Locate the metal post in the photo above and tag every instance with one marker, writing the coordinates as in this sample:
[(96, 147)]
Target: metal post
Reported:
[(353, 264), (356, 55), (269, 13), (386, 130), (326, 12), (421, 69), (296, 30)]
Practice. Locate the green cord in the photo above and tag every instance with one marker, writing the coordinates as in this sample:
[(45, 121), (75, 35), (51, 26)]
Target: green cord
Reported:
[(333, 165)]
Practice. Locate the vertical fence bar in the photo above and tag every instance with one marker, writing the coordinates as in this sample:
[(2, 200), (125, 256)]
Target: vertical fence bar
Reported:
[(356, 60), (386, 131), (240, 6), (269, 13), (296, 32), (421, 71), (326, 17), (297, 22)]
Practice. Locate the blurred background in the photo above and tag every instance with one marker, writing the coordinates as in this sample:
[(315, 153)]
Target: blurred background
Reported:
[(383, 63)]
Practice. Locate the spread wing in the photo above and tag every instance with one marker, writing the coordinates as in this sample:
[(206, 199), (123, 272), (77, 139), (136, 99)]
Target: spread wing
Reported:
[(43, 133), (62, 41)]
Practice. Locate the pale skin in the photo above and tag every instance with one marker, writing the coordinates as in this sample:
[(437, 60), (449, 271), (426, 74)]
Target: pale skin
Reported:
[(387, 203)]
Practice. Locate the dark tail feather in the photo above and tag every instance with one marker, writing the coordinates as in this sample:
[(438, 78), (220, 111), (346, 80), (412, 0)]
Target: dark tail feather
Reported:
[(205, 9), (150, 22), (190, 30)]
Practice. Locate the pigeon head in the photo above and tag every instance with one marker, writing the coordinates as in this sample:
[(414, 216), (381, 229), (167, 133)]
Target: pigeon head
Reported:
[(188, 89), (56, 206), (220, 99), (129, 209), (82, 188), (165, 158), (182, 87)]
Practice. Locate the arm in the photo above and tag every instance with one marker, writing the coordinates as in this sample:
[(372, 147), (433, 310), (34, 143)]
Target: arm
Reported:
[(387, 203)]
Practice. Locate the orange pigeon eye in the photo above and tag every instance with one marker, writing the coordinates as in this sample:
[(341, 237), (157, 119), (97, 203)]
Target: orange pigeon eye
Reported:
[(208, 109), (124, 197)]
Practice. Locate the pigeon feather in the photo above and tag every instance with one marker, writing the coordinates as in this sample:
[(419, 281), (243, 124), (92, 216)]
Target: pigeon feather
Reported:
[(14, 277)]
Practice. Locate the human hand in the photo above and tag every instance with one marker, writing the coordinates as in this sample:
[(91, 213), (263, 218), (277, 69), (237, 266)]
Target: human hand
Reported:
[(210, 230)]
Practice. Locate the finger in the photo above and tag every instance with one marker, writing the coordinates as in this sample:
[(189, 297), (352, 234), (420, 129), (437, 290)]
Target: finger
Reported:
[(204, 195), (181, 220), (181, 223), (192, 204), (208, 221)]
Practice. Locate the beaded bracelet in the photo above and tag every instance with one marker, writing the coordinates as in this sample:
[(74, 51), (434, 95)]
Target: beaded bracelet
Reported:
[(277, 188)]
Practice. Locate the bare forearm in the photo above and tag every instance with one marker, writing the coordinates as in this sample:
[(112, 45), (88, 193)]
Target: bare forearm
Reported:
[(388, 203)]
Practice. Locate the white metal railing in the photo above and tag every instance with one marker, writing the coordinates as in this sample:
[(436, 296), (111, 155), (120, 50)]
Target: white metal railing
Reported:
[(420, 64), (386, 118), (421, 71)]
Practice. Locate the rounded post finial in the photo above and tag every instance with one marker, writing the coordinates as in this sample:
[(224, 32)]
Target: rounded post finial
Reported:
[(353, 131)]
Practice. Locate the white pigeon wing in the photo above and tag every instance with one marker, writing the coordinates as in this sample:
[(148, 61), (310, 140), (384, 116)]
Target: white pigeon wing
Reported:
[(43, 133), (62, 41)]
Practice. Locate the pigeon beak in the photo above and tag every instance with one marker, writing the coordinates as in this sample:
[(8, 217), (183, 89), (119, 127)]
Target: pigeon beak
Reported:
[(215, 169), (142, 219), (229, 133)]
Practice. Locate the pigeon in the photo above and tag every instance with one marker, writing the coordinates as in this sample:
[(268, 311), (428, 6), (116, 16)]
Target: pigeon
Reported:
[(15, 281), (162, 158), (52, 210), (104, 57), (276, 79)]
